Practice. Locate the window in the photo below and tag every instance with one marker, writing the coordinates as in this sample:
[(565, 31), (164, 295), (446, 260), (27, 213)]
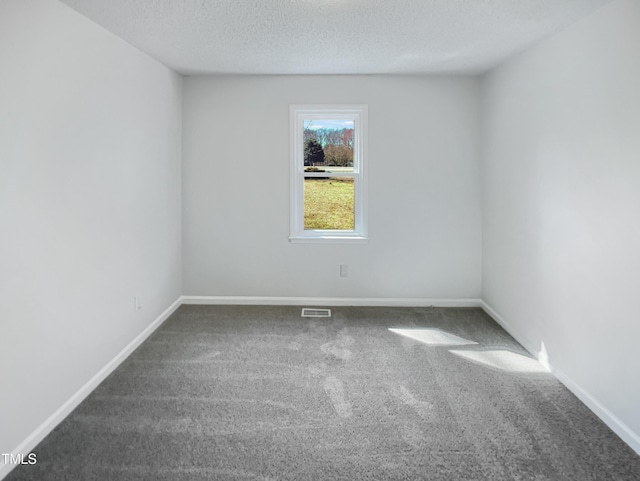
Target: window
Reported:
[(328, 183)]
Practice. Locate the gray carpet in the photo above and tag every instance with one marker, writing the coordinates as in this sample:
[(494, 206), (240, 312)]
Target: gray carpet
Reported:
[(241, 393)]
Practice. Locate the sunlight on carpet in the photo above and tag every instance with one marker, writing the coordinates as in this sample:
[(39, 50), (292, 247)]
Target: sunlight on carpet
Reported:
[(503, 360), (433, 337)]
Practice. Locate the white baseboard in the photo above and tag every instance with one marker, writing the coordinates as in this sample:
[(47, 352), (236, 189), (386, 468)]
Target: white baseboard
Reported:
[(63, 411), (610, 419), (330, 301), (515, 333)]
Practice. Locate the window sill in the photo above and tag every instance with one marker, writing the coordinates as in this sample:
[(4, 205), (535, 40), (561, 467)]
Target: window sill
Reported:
[(329, 239)]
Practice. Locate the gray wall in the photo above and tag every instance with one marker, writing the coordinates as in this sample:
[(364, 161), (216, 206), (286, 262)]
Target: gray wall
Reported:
[(424, 197), (561, 207), (89, 204)]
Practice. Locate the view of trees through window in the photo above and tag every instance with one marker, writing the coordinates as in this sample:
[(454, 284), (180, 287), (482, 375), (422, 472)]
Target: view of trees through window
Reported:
[(328, 143), (329, 186)]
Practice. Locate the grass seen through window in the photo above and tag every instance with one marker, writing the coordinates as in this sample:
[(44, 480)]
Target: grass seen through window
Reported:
[(329, 203)]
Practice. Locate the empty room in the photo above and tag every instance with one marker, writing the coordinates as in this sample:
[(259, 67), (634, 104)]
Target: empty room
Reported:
[(320, 239)]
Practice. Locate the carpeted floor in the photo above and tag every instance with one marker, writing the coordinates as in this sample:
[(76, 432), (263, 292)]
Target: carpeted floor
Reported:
[(241, 393)]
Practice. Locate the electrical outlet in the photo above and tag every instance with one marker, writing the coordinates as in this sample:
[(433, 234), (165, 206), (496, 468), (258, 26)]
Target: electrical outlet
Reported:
[(344, 270), (136, 303)]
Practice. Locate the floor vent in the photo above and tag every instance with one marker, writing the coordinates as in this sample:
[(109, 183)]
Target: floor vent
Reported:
[(307, 312)]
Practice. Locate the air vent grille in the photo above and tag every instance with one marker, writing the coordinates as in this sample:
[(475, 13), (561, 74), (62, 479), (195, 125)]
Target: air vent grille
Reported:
[(309, 312)]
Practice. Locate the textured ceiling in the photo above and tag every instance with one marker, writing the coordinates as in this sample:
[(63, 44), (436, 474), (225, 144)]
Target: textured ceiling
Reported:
[(333, 36)]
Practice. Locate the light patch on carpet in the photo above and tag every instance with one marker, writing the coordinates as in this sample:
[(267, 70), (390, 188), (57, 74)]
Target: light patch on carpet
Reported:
[(209, 355), (340, 347), (503, 360), (317, 369), (335, 390), (424, 409), (433, 337), (412, 435)]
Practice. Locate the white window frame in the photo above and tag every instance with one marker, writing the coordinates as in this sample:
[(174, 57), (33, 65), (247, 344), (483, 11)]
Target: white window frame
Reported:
[(298, 114)]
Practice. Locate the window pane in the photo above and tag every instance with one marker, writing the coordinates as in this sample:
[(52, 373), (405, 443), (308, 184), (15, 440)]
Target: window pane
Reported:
[(328, 144), (329, 203)]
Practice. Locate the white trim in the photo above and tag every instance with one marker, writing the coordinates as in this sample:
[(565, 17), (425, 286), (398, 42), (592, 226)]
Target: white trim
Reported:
[(331, 301), (515, 333), (615, 424), (329, 239), (610, 419), (63, 411)]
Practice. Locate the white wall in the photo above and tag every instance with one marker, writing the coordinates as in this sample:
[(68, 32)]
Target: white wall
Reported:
[(424, 198), (89, 204), (561, 207)]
